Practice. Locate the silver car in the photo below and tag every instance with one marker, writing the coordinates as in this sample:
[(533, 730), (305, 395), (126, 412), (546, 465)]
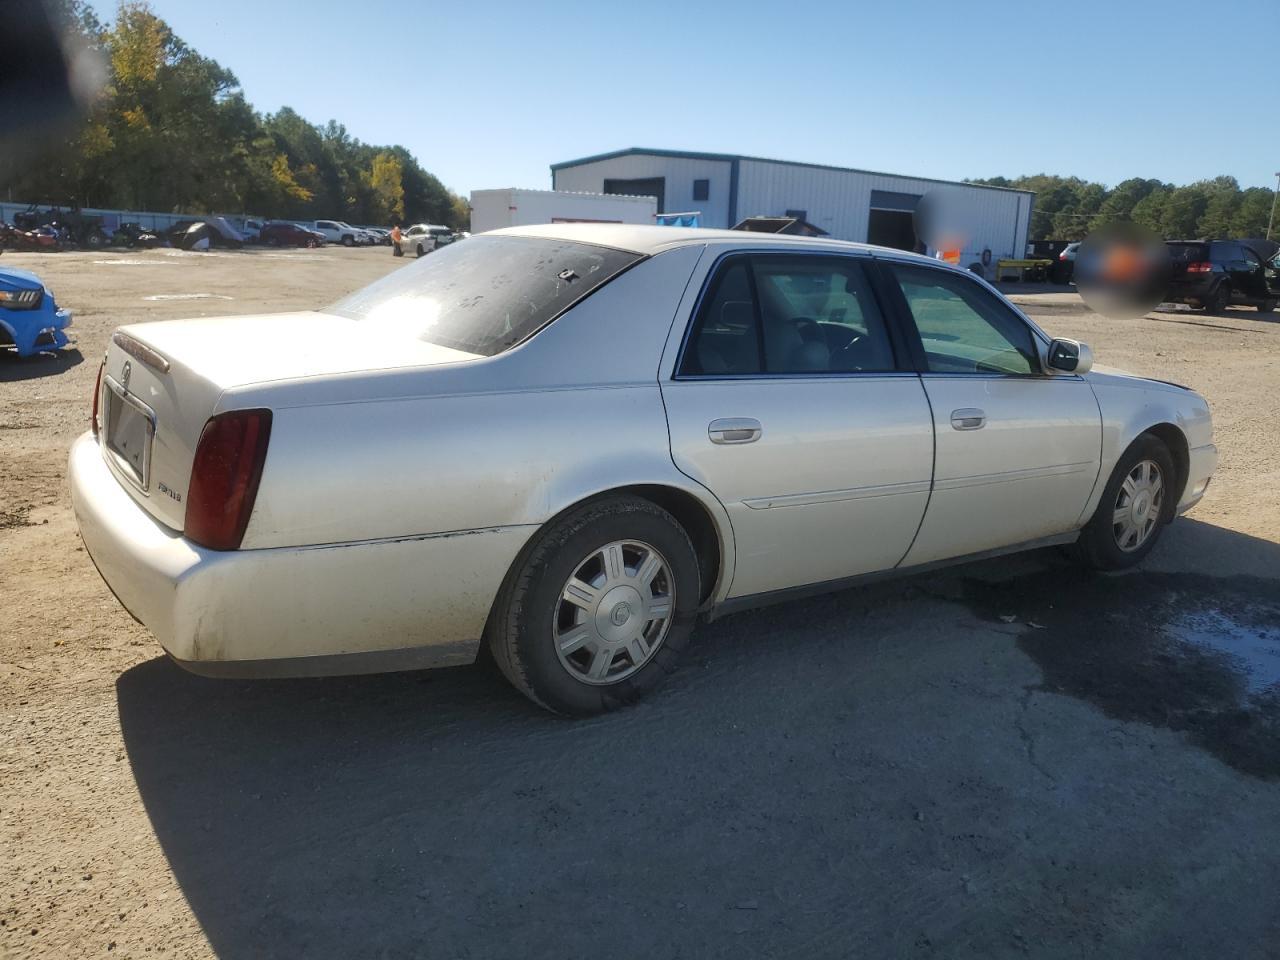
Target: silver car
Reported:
[(570, 443), (418, 240)]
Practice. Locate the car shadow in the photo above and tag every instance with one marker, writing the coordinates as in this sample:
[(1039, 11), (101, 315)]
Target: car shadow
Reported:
[(1217, 327), (14, 368), (439, 813)]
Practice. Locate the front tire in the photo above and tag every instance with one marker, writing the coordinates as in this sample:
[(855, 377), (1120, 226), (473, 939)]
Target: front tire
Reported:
[(598, 610), (1137, 504)]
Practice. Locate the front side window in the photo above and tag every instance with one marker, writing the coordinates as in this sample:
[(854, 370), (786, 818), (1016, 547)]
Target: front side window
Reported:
[(963, 327), (787, 314), (486, 295)]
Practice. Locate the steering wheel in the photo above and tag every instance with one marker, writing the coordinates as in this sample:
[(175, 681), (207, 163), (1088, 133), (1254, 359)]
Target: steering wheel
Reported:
[(846, 355), (808, 329)]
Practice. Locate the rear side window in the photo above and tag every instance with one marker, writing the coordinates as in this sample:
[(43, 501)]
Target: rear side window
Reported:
[(486, 295), (727, 335), (778, 314), (1188, 252)]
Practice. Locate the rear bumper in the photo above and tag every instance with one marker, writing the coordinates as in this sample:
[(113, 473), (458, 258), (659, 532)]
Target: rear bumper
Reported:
[(1201, 462), (1191, 291), (414, 602)]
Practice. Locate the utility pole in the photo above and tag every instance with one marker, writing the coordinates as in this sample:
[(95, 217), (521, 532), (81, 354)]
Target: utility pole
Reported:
[(1272, 219)]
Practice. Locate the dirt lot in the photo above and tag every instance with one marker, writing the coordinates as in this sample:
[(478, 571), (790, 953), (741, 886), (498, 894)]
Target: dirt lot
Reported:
[(1008, 759)]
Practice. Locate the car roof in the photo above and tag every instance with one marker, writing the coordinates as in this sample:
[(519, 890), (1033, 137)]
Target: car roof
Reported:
[(648, 239)]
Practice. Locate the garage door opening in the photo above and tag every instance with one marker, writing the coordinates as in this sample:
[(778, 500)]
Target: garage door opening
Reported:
[(891, 228), (891, 223), (647, 187)]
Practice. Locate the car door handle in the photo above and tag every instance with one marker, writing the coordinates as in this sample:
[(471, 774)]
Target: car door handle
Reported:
[(968, 418), (734, 430)]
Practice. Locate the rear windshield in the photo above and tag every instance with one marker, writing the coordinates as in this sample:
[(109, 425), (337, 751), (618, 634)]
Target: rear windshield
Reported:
[(485, 294), (1188, 252)]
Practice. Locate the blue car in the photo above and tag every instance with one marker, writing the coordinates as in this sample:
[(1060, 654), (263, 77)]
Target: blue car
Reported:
[(29, 317)]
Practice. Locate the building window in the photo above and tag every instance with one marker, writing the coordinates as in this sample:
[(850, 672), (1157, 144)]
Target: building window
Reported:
[(701, 190)]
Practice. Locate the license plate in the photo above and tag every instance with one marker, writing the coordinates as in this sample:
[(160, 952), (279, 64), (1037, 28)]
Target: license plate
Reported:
[(130, 428), (1172, 307)]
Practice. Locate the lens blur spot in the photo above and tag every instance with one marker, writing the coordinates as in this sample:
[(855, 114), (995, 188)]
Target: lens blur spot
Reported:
[(1122, 270)]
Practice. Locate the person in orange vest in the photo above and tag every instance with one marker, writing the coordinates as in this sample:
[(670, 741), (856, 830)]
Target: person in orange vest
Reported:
[(395, 241)]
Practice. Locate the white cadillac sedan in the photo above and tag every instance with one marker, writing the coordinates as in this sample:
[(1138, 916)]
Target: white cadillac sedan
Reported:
[(568, 443)]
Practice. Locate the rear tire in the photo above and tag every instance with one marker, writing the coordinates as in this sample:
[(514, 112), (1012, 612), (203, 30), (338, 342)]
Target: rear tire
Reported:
[(1266, 306), (1137, 503), (420, 250), (579, 627), (1218, 299)]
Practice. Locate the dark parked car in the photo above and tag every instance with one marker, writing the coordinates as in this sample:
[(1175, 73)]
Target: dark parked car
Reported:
[(280, 234), (187, 233), (1215, 274)]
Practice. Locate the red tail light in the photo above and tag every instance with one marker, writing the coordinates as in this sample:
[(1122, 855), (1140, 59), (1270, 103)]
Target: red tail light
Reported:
[(97, 393), (1062, 255), (1202, 266), (225, 476)]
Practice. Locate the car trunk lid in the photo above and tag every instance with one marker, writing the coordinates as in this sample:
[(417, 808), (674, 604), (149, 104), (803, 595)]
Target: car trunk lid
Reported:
[(162, 381)]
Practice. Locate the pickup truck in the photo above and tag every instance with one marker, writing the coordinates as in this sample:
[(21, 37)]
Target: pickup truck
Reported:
[(337, 231)]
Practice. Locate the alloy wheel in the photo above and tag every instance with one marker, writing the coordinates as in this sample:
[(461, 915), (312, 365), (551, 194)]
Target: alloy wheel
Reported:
[(1139, 505), (614, 612)]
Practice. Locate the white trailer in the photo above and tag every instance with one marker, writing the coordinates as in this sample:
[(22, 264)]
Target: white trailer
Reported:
[(513, 207)]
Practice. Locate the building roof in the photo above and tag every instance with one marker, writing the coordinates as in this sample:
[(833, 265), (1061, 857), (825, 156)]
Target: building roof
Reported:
[(566, 193), (731, 157)]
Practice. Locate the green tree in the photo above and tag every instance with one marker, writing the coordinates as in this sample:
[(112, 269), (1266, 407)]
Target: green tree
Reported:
[(1121, 200), (1253, 213), (459, 213), (387, 182), (1183, 211), (1149, 211)]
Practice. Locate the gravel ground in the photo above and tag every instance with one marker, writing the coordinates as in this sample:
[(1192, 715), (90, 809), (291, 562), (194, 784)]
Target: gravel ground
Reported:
[(1007, 759)]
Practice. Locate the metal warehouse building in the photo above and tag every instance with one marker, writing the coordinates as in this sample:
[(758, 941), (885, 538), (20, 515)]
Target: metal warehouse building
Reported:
[(848, 204)]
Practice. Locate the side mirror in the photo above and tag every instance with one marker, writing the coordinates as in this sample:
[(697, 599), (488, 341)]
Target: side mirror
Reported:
[(1070, 356)]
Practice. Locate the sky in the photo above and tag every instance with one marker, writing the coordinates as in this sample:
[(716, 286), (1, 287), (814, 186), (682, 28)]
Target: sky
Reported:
[(489, 93)]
